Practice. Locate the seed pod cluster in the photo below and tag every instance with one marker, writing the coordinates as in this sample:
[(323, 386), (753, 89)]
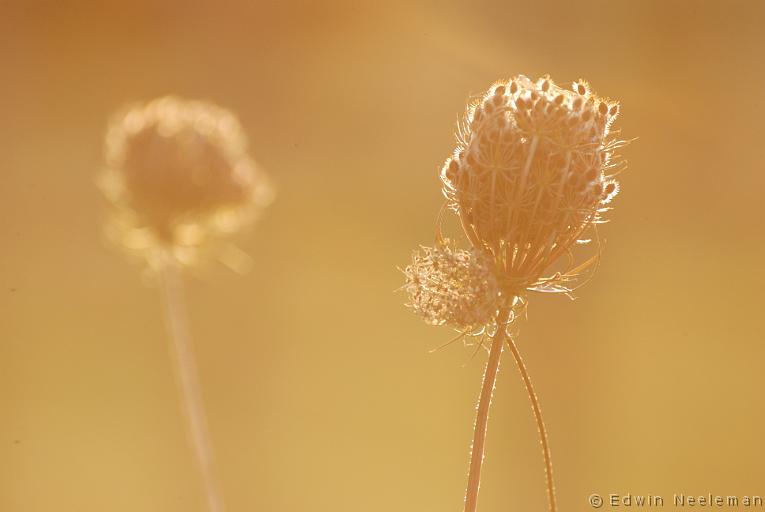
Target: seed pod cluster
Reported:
[(531, 172), (449, 286)]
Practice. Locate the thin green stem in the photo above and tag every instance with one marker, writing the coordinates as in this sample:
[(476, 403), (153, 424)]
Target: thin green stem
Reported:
[(188, 381), (482, 415), (540, 423)]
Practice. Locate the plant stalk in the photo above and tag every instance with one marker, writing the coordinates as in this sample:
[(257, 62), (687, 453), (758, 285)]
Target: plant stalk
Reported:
[(540, 423), (482, 415), (187, 380)]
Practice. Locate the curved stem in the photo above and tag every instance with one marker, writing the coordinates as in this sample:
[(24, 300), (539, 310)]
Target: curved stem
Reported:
[(482, 415), (540, 423), (188, 381)]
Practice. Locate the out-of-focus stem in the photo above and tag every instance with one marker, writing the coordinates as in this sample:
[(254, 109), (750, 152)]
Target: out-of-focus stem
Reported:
[(188, 381), (482, 416), (540, 423)]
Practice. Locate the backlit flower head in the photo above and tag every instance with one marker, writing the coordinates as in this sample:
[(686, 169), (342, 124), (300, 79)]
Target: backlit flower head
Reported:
[(179, 178), (533, 170), (530, 173)]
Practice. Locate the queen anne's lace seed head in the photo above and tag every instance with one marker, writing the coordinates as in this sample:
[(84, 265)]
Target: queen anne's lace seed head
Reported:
[(179, 177), (529, 174), (449, 286)]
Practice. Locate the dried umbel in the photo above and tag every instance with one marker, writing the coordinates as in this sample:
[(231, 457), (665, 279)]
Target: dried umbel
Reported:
[(180, 180), (533, 169), (449, 286), (179, 177), (530, 174)]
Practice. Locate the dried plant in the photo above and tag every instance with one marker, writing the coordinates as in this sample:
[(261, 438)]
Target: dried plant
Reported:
[(533, 171), (180, 181)]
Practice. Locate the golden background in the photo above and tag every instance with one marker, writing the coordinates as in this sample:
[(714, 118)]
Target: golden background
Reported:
[(319, 387)]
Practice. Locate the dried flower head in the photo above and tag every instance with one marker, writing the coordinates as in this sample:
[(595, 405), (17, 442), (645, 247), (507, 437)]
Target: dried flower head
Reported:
[(530, 175), (449, 286), (179, 177)]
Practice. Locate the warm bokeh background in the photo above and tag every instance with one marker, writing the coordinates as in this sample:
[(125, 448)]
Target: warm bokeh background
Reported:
[(321, 393)]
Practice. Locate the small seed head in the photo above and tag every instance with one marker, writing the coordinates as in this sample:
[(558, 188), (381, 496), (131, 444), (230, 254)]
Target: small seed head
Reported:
[(610, 190), (449, 286)]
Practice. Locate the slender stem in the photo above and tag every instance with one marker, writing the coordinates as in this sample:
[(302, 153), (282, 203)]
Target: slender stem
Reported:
[(540, 423), (482, 415), (188, 381)]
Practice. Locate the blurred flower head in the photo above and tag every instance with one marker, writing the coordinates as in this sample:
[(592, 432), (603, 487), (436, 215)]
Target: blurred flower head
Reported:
[(179, 179)]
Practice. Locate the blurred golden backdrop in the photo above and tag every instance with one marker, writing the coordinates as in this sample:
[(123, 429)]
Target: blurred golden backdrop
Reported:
[(320, 390)]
